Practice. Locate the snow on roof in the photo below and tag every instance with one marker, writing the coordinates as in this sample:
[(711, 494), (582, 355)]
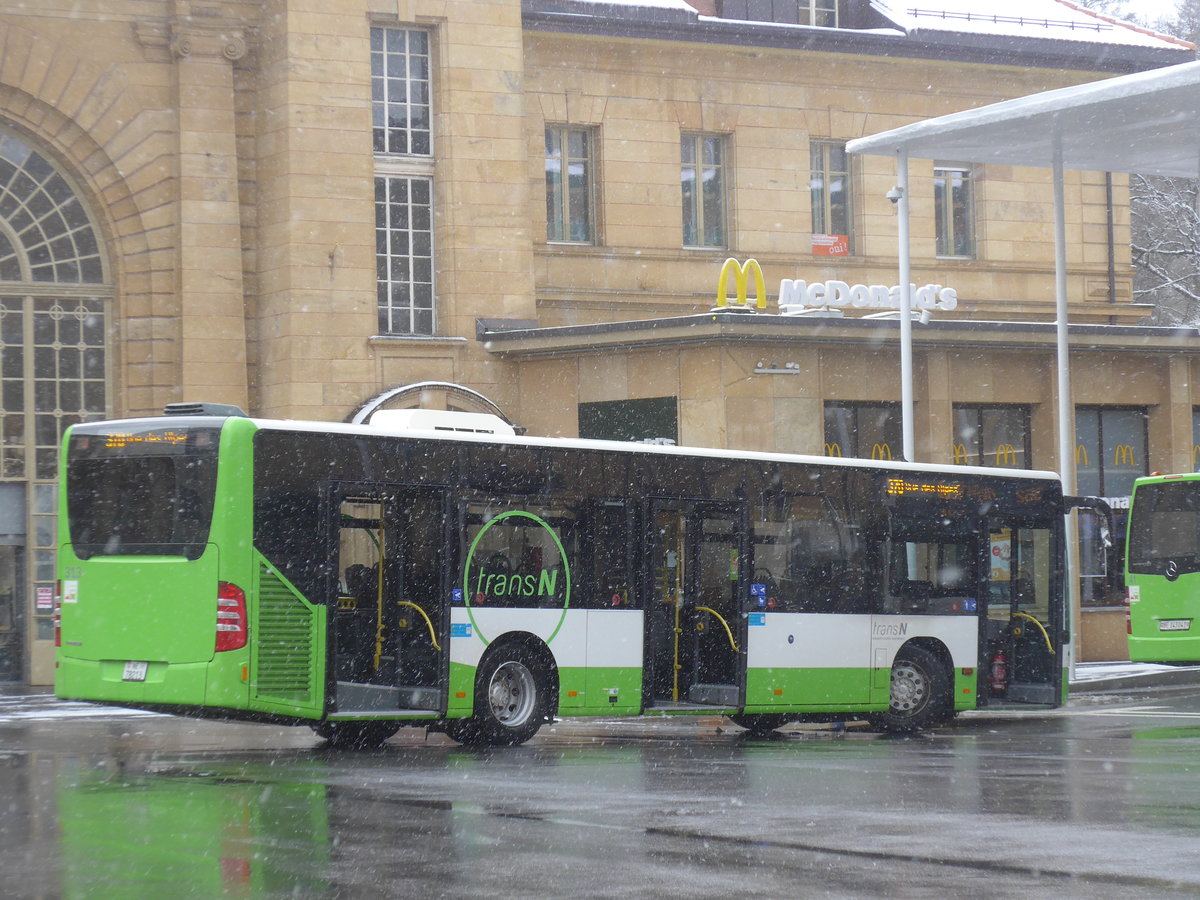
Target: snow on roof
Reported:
[(1059, 20)]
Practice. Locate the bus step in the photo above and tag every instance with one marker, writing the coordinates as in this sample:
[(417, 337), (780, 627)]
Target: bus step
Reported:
[(714, 694)]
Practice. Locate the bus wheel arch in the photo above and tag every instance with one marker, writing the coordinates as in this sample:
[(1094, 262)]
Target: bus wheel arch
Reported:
[(921, 688), (516, 692)]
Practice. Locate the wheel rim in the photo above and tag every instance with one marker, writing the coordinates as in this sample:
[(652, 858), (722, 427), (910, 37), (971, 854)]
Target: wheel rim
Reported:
[(910, 689), (512, 694)]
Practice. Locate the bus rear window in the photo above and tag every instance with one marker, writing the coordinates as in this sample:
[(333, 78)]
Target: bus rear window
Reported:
[(1164, 525), (141, 494)]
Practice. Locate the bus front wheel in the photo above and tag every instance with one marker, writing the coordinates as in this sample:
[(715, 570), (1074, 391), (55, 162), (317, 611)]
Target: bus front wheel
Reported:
[(920, 693), (510, 699)]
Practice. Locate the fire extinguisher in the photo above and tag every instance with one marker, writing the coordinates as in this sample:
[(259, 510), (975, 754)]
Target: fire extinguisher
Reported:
[(999, 674)]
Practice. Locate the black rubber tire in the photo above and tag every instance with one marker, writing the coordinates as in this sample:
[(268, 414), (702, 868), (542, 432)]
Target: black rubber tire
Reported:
[(920, 693), (511, 697), (355, 735), (759, 724)]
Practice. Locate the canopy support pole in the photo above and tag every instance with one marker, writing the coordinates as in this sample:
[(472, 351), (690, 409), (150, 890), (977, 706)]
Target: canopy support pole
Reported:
[(1066, 418), (906, 353)]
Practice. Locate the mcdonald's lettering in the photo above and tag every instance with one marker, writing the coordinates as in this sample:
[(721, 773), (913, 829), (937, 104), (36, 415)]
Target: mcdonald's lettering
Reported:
[(959, 453), (881, 451), (741, 275), (1006, 455), (795, 296), (1123, 455), (833, 449)]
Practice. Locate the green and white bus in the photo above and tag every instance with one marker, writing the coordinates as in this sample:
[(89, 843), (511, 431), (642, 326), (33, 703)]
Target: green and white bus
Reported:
[(357, 578), (1162, 569)]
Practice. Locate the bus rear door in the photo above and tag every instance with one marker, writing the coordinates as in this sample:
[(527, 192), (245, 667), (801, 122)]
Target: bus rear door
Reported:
[(695, 633)]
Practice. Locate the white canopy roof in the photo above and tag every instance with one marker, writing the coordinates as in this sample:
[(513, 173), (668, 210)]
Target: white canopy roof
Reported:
[(1148, 122)]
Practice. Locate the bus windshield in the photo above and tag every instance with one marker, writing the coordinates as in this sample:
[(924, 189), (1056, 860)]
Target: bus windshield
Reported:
[(142, 491), (1164, 525)]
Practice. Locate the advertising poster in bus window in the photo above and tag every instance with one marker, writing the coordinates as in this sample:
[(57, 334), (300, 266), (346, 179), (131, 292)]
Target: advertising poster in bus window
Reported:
[(1001, 553)]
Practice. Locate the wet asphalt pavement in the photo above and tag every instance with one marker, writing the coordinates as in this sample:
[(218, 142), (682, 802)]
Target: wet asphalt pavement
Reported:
[(1101, 799)]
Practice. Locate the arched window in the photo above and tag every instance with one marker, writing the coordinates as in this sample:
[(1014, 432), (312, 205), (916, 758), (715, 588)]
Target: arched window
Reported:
[(53, 354), (54, 359)]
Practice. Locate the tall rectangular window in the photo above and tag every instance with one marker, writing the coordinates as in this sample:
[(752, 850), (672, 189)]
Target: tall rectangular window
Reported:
[(864, 430), (404, 254), (1110, 452), (400, 91), (954, 211), (402, 134), (992, 436), (830, 187), (569, 184), (702, 175), (1110, 449)]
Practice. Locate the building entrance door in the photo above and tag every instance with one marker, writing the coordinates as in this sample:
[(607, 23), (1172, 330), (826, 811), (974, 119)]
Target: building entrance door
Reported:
[(12, 581), (12, 594)]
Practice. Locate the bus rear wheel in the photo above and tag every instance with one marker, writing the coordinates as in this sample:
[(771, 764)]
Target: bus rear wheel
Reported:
[(510, 700), (920, 693), (356, 735)]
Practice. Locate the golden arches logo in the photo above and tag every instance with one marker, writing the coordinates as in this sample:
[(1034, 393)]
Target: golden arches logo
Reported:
[(1195, 456), (1081, 455), (1123, 455), (959, 454), (1006, 455), (834, 449), (741, 276), (881, 451)]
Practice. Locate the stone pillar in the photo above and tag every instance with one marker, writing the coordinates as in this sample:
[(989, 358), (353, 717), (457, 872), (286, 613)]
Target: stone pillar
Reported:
[(209, 260)]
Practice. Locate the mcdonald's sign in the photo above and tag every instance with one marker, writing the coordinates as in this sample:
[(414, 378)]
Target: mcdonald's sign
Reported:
[(1081, 455), (960, 454), (834, 449), (741, 275), (1195, 452), (1123, 455), (881, 451), (1006, 455)]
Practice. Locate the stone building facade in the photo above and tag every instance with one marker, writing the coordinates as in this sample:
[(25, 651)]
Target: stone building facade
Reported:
[(312, 208)]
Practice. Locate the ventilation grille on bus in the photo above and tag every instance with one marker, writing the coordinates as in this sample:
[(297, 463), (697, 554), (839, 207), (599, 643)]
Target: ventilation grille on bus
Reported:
[(284, 661)]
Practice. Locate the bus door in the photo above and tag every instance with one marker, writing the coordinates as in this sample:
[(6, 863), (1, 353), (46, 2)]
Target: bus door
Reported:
[(1022, 625), (388, 625), (695, 632)]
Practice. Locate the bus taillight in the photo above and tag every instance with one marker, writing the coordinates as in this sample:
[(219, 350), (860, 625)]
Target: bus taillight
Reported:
[(231, 617)]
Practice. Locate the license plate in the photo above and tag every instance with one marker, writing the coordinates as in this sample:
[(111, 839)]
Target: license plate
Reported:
[(135, 670), (1175, 625)]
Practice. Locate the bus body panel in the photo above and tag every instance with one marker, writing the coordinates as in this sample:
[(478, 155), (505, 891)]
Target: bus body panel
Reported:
[(825, 663), (614, 661), (1153, 601), (598, 653), (141, 608), (1162, 569)]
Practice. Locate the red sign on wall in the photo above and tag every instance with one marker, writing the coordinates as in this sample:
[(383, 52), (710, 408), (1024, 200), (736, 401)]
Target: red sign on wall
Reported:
[(831, 244)]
